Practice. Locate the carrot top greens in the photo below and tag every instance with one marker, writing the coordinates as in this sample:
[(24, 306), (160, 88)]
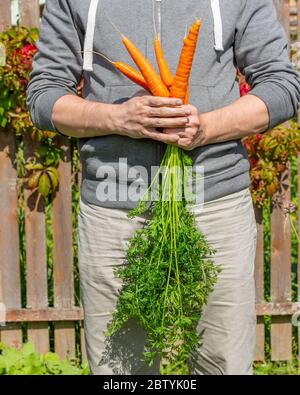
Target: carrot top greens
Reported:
[(168, 274)]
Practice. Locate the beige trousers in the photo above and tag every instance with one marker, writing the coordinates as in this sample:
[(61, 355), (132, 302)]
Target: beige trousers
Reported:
[(228, 322)]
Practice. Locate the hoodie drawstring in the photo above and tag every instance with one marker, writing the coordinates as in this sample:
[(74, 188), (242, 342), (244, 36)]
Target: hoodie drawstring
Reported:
[(91, 23), (89, 37), (218, 26)]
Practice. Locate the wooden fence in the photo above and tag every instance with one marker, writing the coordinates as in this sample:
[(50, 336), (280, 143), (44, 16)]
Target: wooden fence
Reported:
[(65, 314)]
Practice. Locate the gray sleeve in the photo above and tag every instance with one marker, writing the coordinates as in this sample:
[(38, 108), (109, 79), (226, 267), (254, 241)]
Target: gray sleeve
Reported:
[(261, 52), (57, 66)]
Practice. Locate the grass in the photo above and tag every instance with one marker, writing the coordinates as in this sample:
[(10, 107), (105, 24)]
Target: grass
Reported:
[(27, 362), (277, 368)]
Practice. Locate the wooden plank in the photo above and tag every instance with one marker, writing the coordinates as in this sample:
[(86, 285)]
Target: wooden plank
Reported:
[(278, 309), (281, 328), (64, 334), (10, 293), (29, 13), (76, 313), (44, 315), (259, 285), (36, 261)]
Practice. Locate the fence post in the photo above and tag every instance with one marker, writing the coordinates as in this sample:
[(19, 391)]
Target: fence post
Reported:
[(281, 328), (35, 227), (64, 334), (36, 264), (10, 293)]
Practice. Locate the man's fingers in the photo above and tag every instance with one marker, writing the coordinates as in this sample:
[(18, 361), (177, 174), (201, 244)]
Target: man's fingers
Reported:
[(169, 112), (163, 138), (178, 131), (185, 144), (166, 123), (155, 101)]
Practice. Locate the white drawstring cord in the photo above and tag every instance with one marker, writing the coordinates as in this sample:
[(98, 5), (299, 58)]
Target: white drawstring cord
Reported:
[(218, 26), (91, 23), (89, 37)]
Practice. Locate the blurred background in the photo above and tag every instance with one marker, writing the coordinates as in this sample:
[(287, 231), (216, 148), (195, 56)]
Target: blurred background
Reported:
[(41, 327)]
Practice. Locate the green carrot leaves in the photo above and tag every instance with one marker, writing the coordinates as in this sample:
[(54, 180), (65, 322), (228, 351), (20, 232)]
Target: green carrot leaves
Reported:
[(168, 276)]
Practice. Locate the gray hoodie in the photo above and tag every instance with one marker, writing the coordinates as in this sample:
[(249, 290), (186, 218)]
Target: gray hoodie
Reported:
[(234, 33)]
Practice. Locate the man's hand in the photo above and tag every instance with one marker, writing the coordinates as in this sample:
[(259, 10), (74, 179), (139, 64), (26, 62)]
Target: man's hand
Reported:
[(192, 135), (140, 117), (244, 117)]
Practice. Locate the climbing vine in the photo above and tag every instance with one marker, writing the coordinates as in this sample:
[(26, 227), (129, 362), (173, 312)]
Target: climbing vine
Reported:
[(270, 155), (17, 48)]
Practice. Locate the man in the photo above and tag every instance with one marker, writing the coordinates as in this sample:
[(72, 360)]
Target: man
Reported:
[(119, 128)]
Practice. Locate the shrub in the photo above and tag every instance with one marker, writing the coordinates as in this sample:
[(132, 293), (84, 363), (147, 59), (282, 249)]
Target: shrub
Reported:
[(27, 362)]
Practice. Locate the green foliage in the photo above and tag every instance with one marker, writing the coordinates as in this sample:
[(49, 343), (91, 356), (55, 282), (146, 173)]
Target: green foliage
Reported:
[(168, 275), (27, 362), (19, 44), (269, 157), (269, 154), (20, 47), (43, 178), (276, 368)]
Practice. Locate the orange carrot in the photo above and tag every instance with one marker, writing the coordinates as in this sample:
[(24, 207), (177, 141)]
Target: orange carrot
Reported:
[(127, 70), (186, 99), (181, 79), (164, 70), (155, 84), (131, 73)]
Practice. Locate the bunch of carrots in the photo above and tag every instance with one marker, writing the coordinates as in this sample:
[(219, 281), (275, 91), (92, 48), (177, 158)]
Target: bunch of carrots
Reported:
[(169, 272), (164, 85)]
